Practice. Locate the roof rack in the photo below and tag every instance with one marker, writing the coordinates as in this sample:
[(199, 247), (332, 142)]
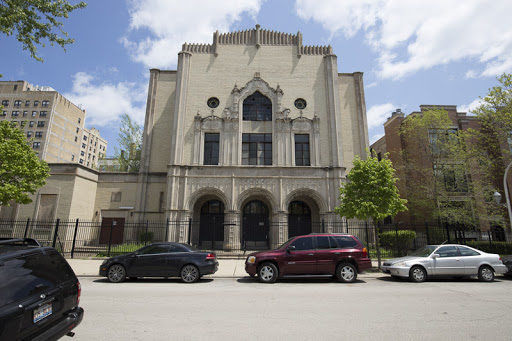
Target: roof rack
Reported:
[(27, 241)]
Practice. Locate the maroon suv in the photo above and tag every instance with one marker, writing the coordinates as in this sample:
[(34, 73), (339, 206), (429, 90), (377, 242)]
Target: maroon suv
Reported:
[(342, 255)]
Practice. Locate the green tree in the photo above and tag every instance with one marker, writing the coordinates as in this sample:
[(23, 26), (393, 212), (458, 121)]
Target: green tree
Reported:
[(489, 147), (370, 191), (21, 171), (130, 145), (434, 169), (36, 21)]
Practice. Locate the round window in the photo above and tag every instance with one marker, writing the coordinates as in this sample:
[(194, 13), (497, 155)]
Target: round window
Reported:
[(300, 103), (213, 102)]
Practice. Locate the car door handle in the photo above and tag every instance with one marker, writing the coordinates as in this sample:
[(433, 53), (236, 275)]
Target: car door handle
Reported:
[(310, 254), (337, 253)]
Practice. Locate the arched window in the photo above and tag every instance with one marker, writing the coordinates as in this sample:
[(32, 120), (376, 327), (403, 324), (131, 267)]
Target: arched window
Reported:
[(257, 108)]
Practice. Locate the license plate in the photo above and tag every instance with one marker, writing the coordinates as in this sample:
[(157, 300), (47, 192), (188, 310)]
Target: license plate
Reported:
[(42, 312)]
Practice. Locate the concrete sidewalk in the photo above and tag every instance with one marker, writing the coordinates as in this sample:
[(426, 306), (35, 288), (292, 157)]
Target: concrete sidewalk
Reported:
[(228, 268)]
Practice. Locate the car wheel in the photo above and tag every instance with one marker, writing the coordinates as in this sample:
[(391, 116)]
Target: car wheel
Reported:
[(116, 273), (346, 273), (267, 273), (486, 274), (189, 273), (418, 274)]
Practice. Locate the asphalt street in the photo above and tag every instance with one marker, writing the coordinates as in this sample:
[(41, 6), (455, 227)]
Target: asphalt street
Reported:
[(374, 308)]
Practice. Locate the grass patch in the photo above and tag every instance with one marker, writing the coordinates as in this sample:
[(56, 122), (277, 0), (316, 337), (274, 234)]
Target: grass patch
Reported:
[(120, 250)]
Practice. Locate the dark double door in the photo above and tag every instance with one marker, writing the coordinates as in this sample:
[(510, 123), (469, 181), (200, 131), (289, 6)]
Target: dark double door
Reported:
[(256, 226), (211, 224), (299, 219)]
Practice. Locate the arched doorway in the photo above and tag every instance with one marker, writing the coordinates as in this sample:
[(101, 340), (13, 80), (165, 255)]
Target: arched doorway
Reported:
[(211, 224), (299, 219), (255, 233)]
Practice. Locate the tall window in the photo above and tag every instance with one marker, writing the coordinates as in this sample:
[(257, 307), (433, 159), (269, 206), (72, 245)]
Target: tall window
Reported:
[(211, 149), (257, 149), (257, 108), (441, 141), (302, 150)]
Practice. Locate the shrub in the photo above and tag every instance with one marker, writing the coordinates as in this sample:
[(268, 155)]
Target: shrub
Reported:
[(502, 248), (146, 237), (400, 240)]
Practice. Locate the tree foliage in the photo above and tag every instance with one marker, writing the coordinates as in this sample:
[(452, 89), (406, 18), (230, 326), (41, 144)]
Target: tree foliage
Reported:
[(130, 145), (36, 21), (370, 191), (434, 168), (21, 171), (489, 147)]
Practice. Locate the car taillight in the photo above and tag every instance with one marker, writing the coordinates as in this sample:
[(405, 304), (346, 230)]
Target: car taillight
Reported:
[(365, 253), (79, 292), (210, 256)]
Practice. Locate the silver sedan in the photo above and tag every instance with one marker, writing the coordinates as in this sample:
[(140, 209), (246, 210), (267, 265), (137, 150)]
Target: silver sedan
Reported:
[(446, 260)]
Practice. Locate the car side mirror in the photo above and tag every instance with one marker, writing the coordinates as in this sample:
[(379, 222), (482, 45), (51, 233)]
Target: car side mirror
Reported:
[(435, 255), (290, 248)]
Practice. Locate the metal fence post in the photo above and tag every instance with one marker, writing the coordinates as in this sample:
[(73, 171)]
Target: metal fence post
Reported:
[(447, 231), (323, 225), (189, 231), (55, 233), (26, 228), (490, 237), (166, 229), (426, 230), (396, 239), (74, 240), (147, 236), (110, 237)]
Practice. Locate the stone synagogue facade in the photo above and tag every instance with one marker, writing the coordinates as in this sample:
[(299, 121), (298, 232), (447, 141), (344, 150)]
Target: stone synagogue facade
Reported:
[(246, 144), (254, 133)]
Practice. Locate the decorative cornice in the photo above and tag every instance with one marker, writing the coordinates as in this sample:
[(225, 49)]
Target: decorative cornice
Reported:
[(258, 37)]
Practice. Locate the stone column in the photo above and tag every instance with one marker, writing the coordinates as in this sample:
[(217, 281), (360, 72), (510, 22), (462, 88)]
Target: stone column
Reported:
[(232, 229), (361, 113), (279, 229), (333, 110), (142, 183), (180, 107)]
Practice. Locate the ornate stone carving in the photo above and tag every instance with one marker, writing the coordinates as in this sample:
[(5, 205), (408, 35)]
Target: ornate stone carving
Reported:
[(211, 123), (197, 122), (302, 124)]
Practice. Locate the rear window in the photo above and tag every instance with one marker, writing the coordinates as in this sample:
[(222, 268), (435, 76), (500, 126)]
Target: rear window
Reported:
[(346, 242), (32, 274)]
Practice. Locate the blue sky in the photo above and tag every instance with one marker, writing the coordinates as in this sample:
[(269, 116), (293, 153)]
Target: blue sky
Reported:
[(412, 52)]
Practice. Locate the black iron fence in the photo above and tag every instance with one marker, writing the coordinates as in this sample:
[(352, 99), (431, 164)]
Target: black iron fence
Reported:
[(111, 236)]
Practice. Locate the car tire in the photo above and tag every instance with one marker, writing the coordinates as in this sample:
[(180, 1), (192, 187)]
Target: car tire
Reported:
[(189, 273), (418, 274), (267, 273), (486, 274), (116, 273), (346, 273)]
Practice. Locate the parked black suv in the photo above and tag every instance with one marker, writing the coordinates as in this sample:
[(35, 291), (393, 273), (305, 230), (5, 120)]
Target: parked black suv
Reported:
[(39, 292)]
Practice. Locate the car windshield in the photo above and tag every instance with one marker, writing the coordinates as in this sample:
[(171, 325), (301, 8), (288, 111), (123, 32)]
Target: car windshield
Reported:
[(424, 251)]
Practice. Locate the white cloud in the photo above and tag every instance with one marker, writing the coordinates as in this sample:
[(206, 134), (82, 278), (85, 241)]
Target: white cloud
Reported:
[(172, 23), (414, 35), (470, 107), (106, 102), (377, 115)]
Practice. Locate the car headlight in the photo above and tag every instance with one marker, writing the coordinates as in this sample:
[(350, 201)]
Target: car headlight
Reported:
[(104, 262), (400, 264), (251, 259)]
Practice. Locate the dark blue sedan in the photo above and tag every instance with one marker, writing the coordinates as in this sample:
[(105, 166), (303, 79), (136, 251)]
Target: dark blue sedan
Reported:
[(161, 260)]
